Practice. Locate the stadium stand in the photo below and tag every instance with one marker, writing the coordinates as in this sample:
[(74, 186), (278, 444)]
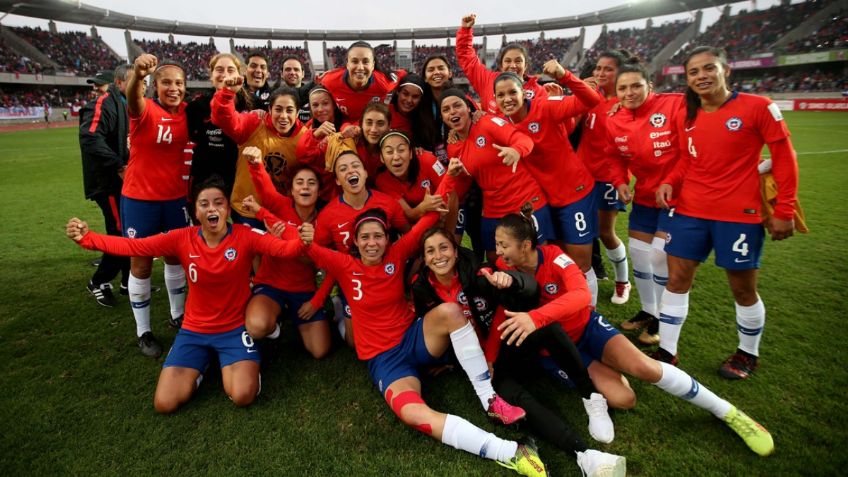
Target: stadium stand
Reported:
[(193, 56), (75, 52), (275, 57), (26, 96), (830, 34), (645, 42), (543, 49), (12, 62), (337, 56), (386, 56)]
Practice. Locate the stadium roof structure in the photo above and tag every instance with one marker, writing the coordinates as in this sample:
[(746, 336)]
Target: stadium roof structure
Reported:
[(80, 13)]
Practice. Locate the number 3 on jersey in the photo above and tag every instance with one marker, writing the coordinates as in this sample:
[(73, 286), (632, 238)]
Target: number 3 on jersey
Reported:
[(164, 135), (357, 289)]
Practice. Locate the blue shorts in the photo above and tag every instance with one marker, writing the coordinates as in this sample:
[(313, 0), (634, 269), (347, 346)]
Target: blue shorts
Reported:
[(543, 223), (144, 218), (240, 219), (594, 338), (290, 302), (737, 246), (608, 197), (577, 223), (403, 359), (649, 220), (193, 350)]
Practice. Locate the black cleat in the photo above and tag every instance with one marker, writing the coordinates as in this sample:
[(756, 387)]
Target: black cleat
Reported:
[(102, 293), (149, 345)]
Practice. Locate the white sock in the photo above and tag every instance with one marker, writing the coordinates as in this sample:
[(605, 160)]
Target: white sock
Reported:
[(749, 324), (659, 264), (592, 279), (139, 290), (175, 282), (468, 352), (673, 310), (461, 434), (618, 257), (338, 315), (274, 334), (643, 272), (676, 382)]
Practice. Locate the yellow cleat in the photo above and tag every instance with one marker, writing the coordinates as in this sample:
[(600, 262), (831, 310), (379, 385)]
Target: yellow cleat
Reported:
[(754, 435), (526, 460)]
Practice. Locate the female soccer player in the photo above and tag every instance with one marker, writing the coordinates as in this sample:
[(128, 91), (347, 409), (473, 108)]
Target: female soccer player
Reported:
[(724, 133), (512, 57), (276, 135), (409, 176), (593, 141), (217, 257), (642, 139), (606, 353), (285, 283), (214, 152), (490, 150), (395, 343), (360, 82), (153, 198), (432, 133), (455, 276), (376, 121), (562, 176), (405, 105)]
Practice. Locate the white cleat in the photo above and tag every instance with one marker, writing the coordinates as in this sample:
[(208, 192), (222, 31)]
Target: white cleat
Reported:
[(600, 464), (600, 424), (622, 293)]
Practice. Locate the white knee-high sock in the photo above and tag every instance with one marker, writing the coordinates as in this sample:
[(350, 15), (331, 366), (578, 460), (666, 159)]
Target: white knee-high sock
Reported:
[(643, 273), (175, 282), (676, 382), (749, 324), (673, 310), (592, 279), (468, 352), (461, 434), (659, 264), (139, 290), (618, 257)]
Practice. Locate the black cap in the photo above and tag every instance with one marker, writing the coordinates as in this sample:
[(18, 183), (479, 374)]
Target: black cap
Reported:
[(102, 77)]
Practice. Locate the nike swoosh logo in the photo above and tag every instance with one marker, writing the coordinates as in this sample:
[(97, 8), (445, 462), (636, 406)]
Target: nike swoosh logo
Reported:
[(342, 225), (742, 261), (583, 234), (193, 256), (252, 350), (689, 129), (167, 119), (358, 274)]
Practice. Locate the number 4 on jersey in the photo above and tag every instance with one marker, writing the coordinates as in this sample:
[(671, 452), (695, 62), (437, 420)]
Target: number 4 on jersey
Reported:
[(164, 135)]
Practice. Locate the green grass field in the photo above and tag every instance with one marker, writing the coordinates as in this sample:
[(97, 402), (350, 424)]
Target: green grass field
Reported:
[(77, 396)]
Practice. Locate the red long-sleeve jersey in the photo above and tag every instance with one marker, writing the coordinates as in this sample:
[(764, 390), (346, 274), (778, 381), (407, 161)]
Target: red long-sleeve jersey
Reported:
[(312, 152), (336, 220), (430, 173), (593, 141)]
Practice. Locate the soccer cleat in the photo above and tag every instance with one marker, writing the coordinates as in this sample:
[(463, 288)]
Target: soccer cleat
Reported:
[(175, 323), (102, 293), (756, 437), (641, 320), (664, 356), (622, 293), (600, 464), (149, 345), (526, 460), (651, 335), (739, 365), (504, 412), (600, 424)]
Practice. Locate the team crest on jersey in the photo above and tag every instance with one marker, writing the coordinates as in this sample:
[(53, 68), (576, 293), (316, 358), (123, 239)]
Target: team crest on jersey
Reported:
[(230, 254), (389, 269), (529, 94), (481, 141), (461, 298), (275, 166), (347, 310), (551, 288), (480, 303), (733, 124), (658, 120), (131, 232), (533, 127), (265, 95), (375, 99), (425, 183)]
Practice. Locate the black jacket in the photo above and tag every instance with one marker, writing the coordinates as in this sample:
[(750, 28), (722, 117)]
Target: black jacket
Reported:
[(104, 126), (483, 298), (214, 151)]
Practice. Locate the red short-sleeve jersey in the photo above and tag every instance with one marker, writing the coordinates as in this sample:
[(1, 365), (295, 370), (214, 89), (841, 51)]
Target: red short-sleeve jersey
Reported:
[(352, 103), (336, 220)]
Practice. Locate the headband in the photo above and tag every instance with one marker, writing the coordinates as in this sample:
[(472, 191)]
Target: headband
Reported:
[(370, 219), (394, 132), (319, 89), (410, 83)]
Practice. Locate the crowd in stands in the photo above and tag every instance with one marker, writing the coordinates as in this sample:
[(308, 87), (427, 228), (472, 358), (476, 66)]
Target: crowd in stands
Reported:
[(338, 57), (33, 96), (543, 49), (831, 34), (782, 82), (11, 62), (275, 59), (193, 56), (645, 42), (75, 52), (386, 56)]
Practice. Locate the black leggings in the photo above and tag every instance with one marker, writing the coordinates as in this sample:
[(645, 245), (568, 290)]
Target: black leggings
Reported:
[(511, 366)]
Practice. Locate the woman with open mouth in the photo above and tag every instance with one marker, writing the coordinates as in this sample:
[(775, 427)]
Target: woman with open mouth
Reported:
[(217, 258)]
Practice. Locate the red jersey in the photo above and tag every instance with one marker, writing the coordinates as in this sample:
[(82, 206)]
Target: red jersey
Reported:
[(372, 162), (482, 79), (157, 163), (557, 169), (717, 177), (593, 141), (430, 173), (565, 295), (352, 103), (504, 192), (400, 121), (336, 220), (218, 278), (312, 152), (290, 274), (645, 141)]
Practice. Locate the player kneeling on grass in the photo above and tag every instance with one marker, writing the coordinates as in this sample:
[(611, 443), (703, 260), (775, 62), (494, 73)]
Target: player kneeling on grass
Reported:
[(217, 258)]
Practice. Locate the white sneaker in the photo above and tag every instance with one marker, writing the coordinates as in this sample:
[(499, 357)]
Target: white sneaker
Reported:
[(622, 293), (600, 464), (600, 424)]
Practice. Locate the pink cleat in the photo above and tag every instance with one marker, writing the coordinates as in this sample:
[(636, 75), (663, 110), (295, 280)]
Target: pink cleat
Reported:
[(504, 412)]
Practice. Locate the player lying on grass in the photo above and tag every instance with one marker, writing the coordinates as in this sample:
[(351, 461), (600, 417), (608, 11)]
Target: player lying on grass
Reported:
[(217, 258)]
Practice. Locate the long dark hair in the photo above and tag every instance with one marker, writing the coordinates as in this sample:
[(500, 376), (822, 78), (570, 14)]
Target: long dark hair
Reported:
[(510, 47), (430, 131), (693, 101)]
